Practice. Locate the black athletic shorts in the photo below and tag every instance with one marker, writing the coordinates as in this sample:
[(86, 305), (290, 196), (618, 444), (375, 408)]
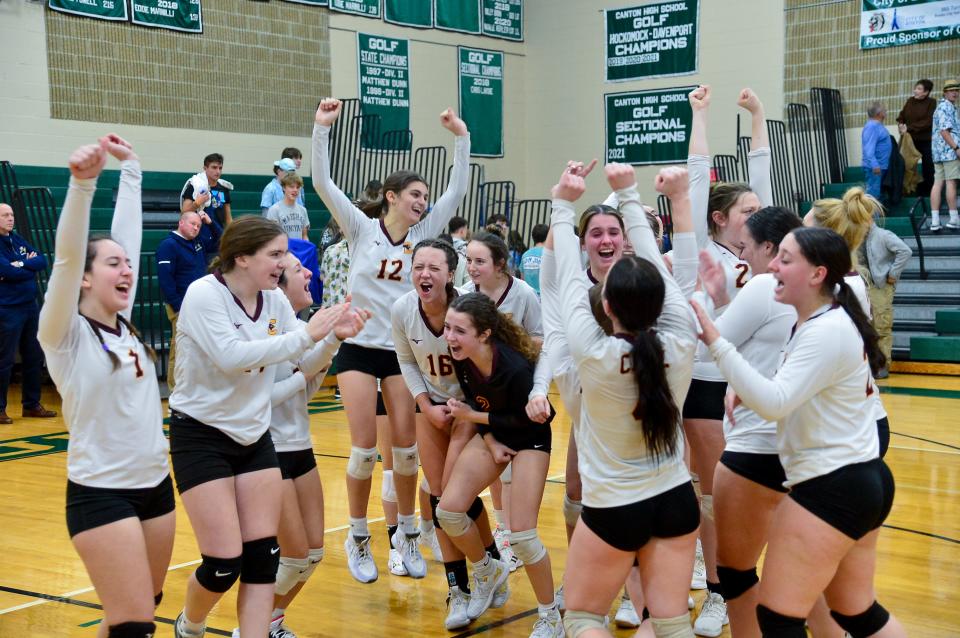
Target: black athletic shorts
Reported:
[(297, 463), (675, 512), (202, 453), (373, 361), (89, 507), (764, 469), (883, 431), (855, 499), (705, 400), (536, 436)]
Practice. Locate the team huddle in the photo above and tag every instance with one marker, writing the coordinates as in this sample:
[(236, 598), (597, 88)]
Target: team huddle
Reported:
[(745, 357)]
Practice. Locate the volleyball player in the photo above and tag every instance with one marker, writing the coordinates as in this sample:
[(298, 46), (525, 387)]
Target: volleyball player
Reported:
[(120, 506), (494, 359), (380, 251), (823, 535), (233, 327), (719, 213), (427, 367)]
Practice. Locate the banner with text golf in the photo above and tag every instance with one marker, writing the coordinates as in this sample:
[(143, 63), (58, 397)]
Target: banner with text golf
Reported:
[(384, 78), (653, 40), (897, 23), (648, 127)]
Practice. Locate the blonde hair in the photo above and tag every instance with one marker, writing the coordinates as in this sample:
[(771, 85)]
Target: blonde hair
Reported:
[(849, 217)]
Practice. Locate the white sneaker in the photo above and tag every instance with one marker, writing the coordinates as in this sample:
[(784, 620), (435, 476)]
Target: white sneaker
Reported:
[(395, 563), (501, 595), (699, 579), (485, 586), (429, 539), (409, 548), (548, 625), (713, 616), (626, 617), (279, 630), (953, 224), (558, 596), (502, 539), (935, 227), (457, 602), (181, 632), (359, 559)]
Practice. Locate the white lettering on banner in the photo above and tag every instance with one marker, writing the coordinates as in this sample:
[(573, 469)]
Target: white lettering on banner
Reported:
[(380, 44), (664, 137)]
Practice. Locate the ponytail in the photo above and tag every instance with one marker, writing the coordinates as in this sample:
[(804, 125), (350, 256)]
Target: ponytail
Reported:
[(871, 340), (655, 406), (114, 359)]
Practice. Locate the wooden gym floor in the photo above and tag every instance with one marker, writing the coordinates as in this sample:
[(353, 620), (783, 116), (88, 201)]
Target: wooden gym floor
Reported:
[(44, 590)]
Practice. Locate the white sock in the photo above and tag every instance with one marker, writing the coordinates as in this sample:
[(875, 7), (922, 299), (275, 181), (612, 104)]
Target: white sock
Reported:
[(485, 565), (192, 627), (550, 607), (953, 216), (358, 527), (278, 613), (426, 525), (407, 524), (935, 218)]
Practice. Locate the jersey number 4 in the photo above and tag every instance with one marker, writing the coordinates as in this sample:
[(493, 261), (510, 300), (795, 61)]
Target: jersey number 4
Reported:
[(393, 275), (445, 365)]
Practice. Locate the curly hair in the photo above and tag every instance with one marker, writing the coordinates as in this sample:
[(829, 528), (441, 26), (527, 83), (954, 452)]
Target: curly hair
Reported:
[(485, 316)]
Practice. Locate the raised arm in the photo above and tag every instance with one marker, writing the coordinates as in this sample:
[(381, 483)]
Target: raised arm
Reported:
[(127, 225), (63, 289), (758, 159), (443, 210), (698, 164), (675, 186)]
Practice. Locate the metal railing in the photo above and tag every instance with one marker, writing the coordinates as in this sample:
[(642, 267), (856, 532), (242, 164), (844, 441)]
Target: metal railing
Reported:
[(780, 175), (149, 315), (496, 198), (916, 224), (430, 163), (802, 154), (726, 167), (831, 141), (527, 214)]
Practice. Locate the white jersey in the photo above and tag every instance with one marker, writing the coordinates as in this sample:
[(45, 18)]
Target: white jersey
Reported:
[(379, 267), (820, 396), (225, 357), (423, 354), (114, 416), (615, 464), (289, 418), (518, 302)]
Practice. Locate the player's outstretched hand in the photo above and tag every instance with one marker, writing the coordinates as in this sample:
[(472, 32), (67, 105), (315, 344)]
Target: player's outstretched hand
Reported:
[(118, 147), (328, 111), (452, 123), (87, 161)]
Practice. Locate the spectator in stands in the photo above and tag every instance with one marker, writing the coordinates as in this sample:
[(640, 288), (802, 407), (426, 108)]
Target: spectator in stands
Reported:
[(946, 155), (916, 119), (883, 256), (207, 191), (287, 212), (181, 260), (876, 147), (19, 265), (292, 152), (334, 269), (530, 261), (273, 192), (500, 221), (517, 248)]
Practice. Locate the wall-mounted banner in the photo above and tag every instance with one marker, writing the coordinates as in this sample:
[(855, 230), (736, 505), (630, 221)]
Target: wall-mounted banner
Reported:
[(384, 76), (896, 23), (102, 9), (481, 99), (316, 3), (457, 15), (176, 15), (503, 19), (368, 8), (653, 40), (409, 13), (648, 127)]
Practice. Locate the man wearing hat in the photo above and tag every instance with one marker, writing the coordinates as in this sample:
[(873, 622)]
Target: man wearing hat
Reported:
[(946, 155), (273, 192)]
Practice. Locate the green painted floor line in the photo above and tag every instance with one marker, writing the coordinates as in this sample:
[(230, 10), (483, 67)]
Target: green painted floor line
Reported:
[(91, 623), (920, 392)]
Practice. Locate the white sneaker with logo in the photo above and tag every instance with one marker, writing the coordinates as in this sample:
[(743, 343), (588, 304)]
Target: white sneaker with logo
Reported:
[(409, 548), (457, 602), (395, 563), (713, 616), (485, 586), (548, 625), (699, 578)]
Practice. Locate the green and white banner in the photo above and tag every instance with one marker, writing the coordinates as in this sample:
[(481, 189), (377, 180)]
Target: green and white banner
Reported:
[(102, 9), (384, 77), (648, 127), (481, 99), (368, 8), (315, 3), (457, 15), (503, 19), (653, 40), (897, 23), (409, 13), (176, 15)]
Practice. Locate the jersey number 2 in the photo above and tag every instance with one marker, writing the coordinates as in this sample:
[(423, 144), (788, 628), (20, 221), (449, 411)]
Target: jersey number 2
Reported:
[(393, 275), (445, 365), (744, 269)]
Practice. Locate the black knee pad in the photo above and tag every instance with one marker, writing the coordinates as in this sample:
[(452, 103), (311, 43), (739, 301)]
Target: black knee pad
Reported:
[(434, 502), (132, 630), (736, 581), (865, 624), (157, 599), (261, 558), (218, 574), (774, 625), (476, 509)]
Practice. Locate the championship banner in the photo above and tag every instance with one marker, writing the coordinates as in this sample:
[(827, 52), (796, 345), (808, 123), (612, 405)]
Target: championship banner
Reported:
[(654, 40), (481, 99), (384, 77), (503, 19), (315, 3), (409, 13), (457, 15), (176, 15), (897, 23), (101, 9), (648, 127), (367, 8)]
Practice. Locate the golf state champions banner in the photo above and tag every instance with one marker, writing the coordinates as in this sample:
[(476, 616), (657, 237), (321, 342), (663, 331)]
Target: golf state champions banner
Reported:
[(384, 79), (648, 127), (897, 23), (653, 40), (176, 15), (101, 9), (481, 99)]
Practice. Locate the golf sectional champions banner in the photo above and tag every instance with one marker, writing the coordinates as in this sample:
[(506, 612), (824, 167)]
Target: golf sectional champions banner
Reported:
[(481, 99), (648, 127), (897, 23), (653, 40)]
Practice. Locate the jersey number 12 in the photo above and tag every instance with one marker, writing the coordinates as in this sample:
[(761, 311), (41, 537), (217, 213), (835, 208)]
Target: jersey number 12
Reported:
[(393, 275)]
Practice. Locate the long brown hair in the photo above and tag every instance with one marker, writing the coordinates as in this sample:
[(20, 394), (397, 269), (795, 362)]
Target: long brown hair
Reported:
[(485, 316), (723, 197), (395, 183)]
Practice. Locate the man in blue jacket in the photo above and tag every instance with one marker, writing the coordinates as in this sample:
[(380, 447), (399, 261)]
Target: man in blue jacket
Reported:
[(181, 260), (19, 264)]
